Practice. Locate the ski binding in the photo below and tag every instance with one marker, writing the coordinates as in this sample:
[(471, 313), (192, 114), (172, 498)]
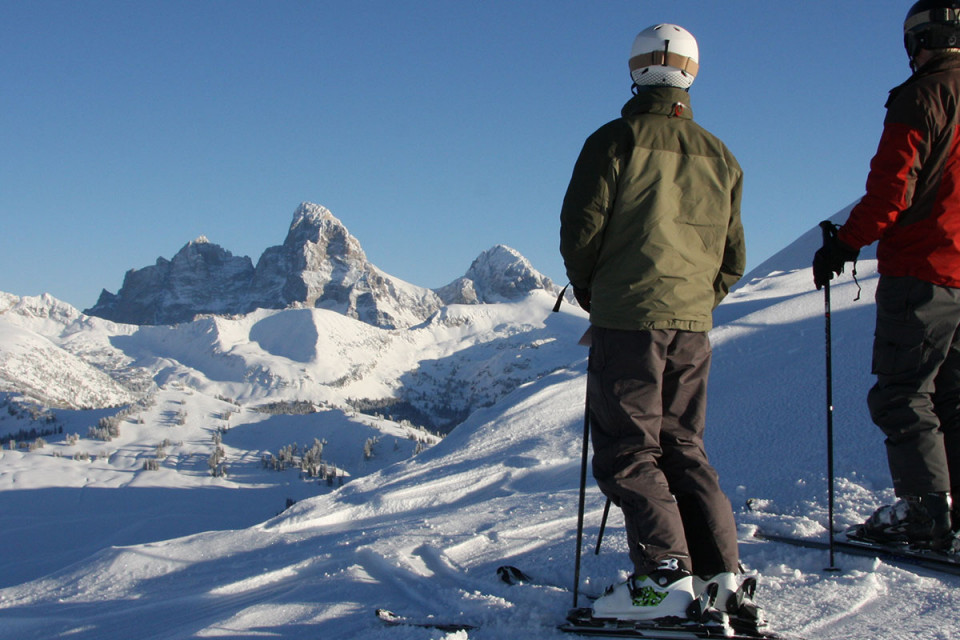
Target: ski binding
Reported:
[(703, 620)]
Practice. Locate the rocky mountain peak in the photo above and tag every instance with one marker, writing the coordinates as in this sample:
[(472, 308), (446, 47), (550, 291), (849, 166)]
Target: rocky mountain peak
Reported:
[(498, 274), (320, 264), (202, 277), (320, 237), (313, 215)]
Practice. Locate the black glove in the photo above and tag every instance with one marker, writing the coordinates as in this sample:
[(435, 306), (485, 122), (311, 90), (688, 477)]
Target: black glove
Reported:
[(829, 259), (583, 298)]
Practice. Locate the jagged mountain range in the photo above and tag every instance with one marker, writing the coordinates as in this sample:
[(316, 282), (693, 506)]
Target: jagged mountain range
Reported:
[(321, 265)]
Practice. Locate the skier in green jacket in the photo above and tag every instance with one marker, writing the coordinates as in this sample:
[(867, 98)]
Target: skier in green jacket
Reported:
[(652, 241)]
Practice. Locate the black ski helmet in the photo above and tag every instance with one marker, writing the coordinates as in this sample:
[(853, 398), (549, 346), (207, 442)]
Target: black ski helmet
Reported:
[(932, 24)]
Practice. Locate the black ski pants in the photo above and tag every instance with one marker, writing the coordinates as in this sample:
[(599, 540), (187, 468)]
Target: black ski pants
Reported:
[(916, 399), (647, 394)]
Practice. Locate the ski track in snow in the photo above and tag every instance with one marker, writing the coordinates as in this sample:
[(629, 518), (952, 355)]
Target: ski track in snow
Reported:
[(424, 536)]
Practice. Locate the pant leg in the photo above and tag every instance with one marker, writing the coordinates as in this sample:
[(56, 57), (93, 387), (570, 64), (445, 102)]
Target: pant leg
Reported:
[(946, 400), (916, 327), (709, 525), (624, 389)]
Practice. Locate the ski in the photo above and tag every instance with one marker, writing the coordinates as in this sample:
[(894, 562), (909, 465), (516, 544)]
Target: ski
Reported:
[(902, 554), (392, 619), (581, 622)]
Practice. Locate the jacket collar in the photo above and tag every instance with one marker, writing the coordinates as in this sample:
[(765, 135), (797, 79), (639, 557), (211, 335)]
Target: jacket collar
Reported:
[(940, 62), (665, 101), (936, 64)]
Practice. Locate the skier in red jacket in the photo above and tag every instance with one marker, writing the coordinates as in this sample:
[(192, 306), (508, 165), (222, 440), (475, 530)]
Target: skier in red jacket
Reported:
[(912, 209)]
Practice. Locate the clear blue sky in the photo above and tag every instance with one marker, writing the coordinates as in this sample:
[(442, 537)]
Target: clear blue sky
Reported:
[(433, 129)]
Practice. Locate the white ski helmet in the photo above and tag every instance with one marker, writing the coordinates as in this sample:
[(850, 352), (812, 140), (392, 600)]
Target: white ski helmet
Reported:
[(664, 55)]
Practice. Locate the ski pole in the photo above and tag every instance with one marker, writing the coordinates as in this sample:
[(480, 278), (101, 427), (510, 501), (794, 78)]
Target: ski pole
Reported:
[(828, 231), (603, 526), (583, 497)]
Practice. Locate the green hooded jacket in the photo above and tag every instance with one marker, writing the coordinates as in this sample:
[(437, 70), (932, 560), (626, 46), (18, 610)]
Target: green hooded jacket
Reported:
[(650, 223)]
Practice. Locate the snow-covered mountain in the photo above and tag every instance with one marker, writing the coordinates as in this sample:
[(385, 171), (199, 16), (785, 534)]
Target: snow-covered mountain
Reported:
[(497, 275), (320, 264), (423, 535)]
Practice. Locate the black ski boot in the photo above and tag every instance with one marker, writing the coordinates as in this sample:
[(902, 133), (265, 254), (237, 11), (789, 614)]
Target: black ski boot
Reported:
[(922, 521)]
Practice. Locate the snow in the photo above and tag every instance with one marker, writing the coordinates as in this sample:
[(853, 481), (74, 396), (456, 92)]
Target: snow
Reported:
[(105, 549)]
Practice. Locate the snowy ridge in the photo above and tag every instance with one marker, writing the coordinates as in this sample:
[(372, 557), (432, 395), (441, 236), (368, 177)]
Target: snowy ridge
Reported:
[(424, 535)]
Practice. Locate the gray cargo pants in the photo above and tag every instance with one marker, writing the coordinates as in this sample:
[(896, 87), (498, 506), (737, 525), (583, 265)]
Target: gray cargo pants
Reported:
[(916, 399), (647, 392)]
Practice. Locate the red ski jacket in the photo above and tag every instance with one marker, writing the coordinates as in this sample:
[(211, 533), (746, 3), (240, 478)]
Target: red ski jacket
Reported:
[(912, 203)]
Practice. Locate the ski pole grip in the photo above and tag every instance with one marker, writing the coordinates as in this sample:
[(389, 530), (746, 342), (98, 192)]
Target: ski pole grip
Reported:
[(829, 231)]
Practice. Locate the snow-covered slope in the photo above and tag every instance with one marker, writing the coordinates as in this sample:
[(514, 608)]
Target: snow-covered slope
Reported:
[(425, 535), (241, 384)]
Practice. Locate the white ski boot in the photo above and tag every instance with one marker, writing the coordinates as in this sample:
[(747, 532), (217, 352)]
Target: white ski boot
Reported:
[(666, 592)]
